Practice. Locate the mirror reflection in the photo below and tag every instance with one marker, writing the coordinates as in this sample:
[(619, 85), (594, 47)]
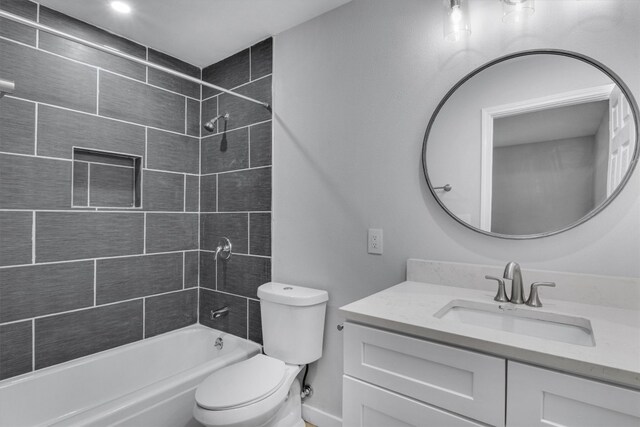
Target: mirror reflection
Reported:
[(531, 145)]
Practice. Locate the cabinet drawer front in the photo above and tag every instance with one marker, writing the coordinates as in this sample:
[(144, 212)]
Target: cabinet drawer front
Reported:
[(365, 405), (540, 397), (464, 382)]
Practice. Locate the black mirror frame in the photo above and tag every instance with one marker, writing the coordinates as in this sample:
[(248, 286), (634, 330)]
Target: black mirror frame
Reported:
[(614, 77)]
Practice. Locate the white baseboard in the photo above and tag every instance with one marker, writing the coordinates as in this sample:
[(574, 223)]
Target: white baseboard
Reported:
[(319, 418)]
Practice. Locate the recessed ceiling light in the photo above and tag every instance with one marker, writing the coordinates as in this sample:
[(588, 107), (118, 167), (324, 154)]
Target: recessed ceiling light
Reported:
[(121, 7)]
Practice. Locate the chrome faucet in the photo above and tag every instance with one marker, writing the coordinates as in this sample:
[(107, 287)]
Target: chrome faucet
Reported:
[(223, 250), (512, 272)]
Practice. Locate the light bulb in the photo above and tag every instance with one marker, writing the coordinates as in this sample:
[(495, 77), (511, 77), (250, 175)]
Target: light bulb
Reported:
[(456, 14), (456, 19), (120, 7)]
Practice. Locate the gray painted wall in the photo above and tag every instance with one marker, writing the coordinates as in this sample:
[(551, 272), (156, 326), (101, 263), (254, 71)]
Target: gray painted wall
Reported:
[(542, 186), (354, 90)]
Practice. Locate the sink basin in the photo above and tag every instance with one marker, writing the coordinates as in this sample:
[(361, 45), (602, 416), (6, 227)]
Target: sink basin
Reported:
[(520, 320)]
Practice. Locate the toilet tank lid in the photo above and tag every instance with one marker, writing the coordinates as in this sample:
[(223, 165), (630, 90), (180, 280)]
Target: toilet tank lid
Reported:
[(291, 295)]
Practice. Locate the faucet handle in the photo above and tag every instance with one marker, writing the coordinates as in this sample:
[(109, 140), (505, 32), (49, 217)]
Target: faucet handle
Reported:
[(534, 299), (501, 296)]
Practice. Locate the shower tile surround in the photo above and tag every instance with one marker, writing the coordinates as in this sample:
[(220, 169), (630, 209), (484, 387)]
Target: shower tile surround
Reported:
[(75, 281), (235, 191)]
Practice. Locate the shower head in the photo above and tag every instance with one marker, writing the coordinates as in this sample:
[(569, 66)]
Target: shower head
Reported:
[(6, 87), (209, 126)]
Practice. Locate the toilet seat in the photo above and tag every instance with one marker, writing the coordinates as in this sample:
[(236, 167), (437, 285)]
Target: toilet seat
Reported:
[(252, 414), (241, 384)]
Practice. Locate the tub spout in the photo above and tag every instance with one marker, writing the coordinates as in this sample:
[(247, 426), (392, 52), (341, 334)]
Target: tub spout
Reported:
[(216, 314)]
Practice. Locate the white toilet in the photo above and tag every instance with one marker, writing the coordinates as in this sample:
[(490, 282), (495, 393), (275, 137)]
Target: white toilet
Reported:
[(263, 391)]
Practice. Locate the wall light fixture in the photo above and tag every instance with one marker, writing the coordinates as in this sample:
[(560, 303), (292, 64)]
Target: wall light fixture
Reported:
[(514, 11), (456, 20)]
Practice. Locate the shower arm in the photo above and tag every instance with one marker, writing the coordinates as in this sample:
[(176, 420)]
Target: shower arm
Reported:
[(6, 87), (103, 48)]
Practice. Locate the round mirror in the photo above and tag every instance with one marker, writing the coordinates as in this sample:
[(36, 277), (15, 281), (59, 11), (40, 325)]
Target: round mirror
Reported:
[(531, 144)]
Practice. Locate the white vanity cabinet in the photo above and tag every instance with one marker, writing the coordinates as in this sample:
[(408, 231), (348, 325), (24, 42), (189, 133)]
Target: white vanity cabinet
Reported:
[(396, 380), (540, 397), (393, 380)]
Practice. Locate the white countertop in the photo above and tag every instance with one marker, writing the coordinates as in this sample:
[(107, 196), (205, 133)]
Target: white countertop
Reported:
[(409, 308)]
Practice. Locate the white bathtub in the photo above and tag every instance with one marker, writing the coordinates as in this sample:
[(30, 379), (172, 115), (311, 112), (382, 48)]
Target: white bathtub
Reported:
[(148, 383)]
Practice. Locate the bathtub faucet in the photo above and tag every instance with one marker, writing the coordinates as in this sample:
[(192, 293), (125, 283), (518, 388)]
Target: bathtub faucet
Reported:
[(221, 312), (224, 249)]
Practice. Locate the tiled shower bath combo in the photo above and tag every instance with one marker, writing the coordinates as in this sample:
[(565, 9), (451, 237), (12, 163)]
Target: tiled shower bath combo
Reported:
[(84, 267)]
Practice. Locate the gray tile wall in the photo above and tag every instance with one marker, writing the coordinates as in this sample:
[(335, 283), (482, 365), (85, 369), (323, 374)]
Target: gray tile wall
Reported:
[(74, 281), (235, 191)]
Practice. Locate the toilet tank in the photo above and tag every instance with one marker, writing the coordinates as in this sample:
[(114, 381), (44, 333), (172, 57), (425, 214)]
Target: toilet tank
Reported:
[(292, 322)]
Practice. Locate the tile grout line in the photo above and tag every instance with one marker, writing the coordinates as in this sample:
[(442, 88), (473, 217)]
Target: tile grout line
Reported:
[(88, 185), (256, 299), (240, 254), (186, 107), (146, 68), (144, 233), (248, 232), (249, 145), (90, 307), (115, 119), (247, 301), (33, 344), (98, 92), (35, 131), (144, 317), (146, 146), (199, 196), (237, 170), (111, 165), (217, 113), (78, 260), (106, 209), (37, 31), (95, 282), (33, 238)]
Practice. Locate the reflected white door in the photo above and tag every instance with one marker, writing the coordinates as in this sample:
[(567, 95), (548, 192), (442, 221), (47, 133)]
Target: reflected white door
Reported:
[(622, 134)]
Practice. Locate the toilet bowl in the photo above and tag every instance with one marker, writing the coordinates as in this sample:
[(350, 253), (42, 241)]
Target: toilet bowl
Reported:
[(252, 393), (263, 391)]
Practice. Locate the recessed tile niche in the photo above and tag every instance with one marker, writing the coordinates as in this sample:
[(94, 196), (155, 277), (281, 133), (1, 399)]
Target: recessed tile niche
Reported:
[(106, 179)]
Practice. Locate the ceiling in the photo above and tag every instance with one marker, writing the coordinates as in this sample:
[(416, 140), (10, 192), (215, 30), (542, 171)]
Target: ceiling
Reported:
[(573, 121), (200, 32)]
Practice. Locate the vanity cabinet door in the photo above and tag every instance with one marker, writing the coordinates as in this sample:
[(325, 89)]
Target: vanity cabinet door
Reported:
[(464, 382), (365, 405), (540, 397)]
